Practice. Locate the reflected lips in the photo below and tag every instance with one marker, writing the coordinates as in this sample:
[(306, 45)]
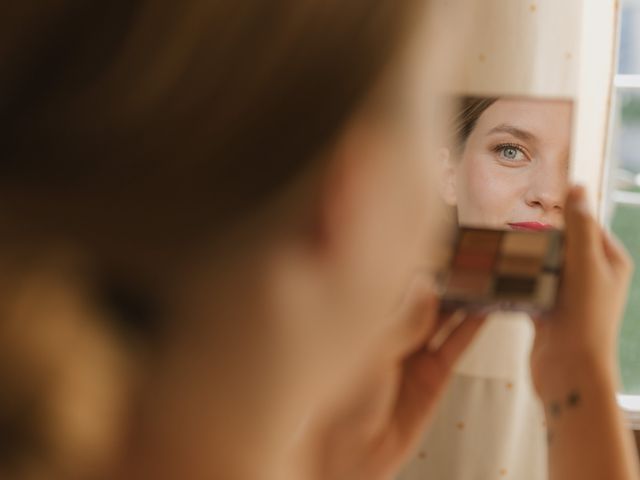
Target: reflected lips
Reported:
[(531, 226)]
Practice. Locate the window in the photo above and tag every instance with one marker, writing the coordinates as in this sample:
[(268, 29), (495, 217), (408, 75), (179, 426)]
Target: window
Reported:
[(623, 199)]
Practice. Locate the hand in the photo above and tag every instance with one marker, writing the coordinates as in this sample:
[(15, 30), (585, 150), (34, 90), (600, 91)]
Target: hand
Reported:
[(371, 432), (584, 326)]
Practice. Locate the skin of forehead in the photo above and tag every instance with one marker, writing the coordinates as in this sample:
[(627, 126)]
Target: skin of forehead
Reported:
[(549, 121)]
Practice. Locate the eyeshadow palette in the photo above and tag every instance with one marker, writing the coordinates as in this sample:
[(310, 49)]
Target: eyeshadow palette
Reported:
[(503, 270)]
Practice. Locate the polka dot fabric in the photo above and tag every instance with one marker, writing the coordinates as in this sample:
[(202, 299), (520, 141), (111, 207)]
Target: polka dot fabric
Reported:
[(490, 424)]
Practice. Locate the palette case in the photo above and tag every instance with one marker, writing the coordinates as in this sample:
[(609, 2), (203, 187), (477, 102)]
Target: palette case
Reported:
[(503, 270)]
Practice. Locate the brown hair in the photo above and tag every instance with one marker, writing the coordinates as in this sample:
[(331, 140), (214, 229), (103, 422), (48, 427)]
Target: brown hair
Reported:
[(126, 122), (211, 106), (468, 111)]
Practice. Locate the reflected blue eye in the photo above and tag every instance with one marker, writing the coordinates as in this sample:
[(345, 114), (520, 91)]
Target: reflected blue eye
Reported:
[(511, 153)]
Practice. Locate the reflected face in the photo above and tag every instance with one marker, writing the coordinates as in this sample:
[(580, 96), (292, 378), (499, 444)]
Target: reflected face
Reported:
[(513, 170)]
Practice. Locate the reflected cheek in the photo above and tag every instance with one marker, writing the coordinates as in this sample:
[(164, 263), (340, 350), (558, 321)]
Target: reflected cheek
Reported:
[(486, 192)]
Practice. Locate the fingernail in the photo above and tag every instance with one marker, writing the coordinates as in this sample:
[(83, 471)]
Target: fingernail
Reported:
[(577, 192), (579, 198), (446, 330)]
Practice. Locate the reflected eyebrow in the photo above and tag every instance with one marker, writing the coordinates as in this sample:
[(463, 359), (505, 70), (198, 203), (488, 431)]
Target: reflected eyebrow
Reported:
[(515, 131)]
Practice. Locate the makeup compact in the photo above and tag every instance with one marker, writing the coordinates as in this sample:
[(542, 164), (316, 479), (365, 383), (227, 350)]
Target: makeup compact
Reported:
[(503, 270)]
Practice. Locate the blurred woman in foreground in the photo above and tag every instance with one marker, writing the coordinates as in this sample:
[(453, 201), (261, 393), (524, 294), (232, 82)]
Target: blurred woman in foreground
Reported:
[(216, 222)]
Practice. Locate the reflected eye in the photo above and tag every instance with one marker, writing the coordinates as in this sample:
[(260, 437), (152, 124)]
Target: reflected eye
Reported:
[(511, 153)]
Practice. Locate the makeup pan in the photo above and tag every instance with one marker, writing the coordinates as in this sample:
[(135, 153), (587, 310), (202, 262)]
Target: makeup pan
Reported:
[(503, 270)]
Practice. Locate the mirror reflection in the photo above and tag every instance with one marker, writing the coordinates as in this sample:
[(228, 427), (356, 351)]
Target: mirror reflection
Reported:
[(507, 162)]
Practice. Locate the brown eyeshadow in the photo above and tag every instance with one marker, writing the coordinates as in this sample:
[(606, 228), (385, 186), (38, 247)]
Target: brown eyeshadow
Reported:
[(553, 259), (515, 286), (519, 266), (466, 283), (546, 291), (509, 269), (475, 261), (525, 244), (481, 241)]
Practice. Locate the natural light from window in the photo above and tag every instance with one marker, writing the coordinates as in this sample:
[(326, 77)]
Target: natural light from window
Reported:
[(623, 213)]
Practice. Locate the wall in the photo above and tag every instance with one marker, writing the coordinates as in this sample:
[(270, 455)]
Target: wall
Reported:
[(549, 48)]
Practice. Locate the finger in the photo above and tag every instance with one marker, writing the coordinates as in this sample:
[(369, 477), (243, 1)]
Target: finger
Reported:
[(425, 377), (616, 253), (449, 352), (448, 326), (420, 390), (582, 231), (540, 320)]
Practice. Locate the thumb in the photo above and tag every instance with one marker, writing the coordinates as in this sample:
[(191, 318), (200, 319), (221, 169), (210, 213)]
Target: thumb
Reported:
[(582, 231)]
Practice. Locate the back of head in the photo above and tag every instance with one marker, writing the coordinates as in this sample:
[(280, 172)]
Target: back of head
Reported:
[(132, 129), (168, 105)]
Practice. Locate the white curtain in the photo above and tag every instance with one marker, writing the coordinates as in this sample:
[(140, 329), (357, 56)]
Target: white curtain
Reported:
[(490, 424), (549, 48)]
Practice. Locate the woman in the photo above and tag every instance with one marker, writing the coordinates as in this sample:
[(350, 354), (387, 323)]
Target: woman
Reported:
[(247, 200), (508, 168)]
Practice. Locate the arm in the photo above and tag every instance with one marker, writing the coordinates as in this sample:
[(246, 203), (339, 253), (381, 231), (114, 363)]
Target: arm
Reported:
[(574, 358), (586, 432)]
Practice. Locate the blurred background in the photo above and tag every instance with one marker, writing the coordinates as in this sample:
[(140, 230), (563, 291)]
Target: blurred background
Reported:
[(623, 194)]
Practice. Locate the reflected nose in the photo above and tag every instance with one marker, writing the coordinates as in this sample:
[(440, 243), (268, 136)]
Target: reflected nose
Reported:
[(548, 189), (547, 201)]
